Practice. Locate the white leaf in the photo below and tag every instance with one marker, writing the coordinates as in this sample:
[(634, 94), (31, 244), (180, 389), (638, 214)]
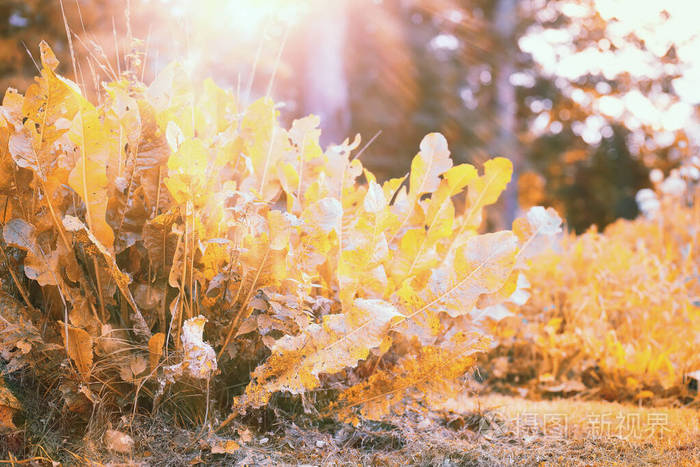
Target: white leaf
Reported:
[(544, 221), (375, 201), (495, 312), (330, 212), (521, 295), (174, 136), (118, 442), (379, 309)]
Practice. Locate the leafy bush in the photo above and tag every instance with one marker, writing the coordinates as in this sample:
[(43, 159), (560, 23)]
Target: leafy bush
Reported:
[(614, 314), (168, 237)]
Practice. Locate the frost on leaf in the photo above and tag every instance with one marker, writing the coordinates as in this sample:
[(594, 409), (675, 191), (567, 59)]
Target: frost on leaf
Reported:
[(538, 222), (493, 312), (199, 358)]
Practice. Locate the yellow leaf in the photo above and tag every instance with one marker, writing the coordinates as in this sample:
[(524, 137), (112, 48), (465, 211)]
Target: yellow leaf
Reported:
[(8, 406), (459, 177), (280, 229), (431, 162), (155, 349), (644, 395), (214, 110), (480, 267), (89, 176), (171, 95), (78, 348), (187, 171), (341, 341), (486, 189), (305, 135), (224, 446)]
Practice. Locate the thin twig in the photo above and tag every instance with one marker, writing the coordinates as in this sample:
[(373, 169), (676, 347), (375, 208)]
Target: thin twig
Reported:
[(359, 153)]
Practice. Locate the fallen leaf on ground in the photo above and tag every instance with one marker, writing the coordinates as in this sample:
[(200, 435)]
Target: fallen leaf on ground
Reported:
[(224, 446), (118, 442)]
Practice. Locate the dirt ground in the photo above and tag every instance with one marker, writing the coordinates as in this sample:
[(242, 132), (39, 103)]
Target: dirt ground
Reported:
[(490, 430)]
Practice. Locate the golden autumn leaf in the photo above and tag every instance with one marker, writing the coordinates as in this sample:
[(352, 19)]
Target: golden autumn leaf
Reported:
[(155, 349), (187, 170), (339, 342), (78, 344), (485, 189), (9, 405), (214, 109), (480, 266), (432, 161), (89, 176), (224, 446), (280, 225), (38, 265), (47, 109), (131, 369)]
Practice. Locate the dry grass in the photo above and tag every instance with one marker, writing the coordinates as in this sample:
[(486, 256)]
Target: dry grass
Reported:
[(475, 431)]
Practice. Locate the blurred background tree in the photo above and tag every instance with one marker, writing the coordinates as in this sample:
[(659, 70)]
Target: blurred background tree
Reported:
[(585, 96)]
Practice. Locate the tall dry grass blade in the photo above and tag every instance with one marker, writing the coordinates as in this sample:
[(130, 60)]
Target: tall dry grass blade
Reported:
[(70, 41)]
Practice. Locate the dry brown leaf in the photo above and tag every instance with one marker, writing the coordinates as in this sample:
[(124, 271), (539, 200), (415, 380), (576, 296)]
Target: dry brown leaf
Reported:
[(130, 370)]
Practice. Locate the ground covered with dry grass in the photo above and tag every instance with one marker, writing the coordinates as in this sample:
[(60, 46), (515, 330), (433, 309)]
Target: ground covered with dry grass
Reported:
[(486, 430)]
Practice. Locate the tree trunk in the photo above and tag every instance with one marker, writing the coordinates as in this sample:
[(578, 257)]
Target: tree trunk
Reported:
[(506, 141), (325, 83)]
